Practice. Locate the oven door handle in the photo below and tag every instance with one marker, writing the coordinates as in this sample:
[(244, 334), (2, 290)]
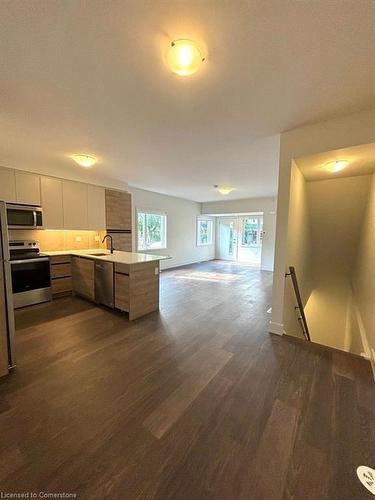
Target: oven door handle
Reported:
[(24, 261), (34, 215)]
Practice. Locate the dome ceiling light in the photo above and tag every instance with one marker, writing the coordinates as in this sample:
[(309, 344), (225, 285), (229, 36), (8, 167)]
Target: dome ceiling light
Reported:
[(184, 57), (223, 189), (335, 166), (86, 161)]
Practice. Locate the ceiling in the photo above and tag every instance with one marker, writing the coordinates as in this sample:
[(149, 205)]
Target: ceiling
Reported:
[(361, 161), (89, 77)]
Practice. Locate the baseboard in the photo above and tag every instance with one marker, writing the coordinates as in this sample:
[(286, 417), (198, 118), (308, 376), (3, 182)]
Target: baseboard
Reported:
[(369, 352), (182, 264), (276, 328)]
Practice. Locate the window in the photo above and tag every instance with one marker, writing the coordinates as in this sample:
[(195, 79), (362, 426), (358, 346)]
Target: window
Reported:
[(204, 232), (252, 231), (152, 231)]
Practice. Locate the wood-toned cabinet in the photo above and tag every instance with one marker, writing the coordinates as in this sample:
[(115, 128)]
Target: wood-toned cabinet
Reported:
[(136, 285), (8, 185), (122, 292), (62, 287), (61, 270), (52, 202), (75, 203), (137, 288), (83, 272), (121, 241), (27, 188), (61, 275), (118, 206)]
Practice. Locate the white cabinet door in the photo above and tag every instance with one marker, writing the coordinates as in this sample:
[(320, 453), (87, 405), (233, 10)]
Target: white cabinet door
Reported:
[(27, 188), (75, 204), (52, 202), (7, 185), (96, 207)]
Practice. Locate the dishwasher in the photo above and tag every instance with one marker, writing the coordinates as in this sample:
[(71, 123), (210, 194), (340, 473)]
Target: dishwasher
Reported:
[(104, 287)]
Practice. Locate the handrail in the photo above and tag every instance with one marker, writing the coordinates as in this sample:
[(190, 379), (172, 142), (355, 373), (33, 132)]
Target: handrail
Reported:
[(302, 318)]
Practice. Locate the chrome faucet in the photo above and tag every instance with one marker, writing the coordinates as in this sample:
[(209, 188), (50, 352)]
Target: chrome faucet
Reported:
[(108, 236)]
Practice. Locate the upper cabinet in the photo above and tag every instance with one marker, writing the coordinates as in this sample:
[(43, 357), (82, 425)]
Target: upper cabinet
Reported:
[(67, 204), (7, 185), (118, 205), (96, 207), (52, 202), (75, 203), (27, 188)]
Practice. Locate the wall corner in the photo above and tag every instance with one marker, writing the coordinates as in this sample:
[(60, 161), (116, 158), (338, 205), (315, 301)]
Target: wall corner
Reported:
[(276, 328)]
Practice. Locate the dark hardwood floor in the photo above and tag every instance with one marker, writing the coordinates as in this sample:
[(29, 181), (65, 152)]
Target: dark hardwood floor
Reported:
[(197, 402)]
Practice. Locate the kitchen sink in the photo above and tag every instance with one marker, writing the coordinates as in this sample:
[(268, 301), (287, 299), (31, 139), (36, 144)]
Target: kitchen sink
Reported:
[(98, 254)]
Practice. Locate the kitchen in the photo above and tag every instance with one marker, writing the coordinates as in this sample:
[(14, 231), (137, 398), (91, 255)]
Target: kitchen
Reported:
[(61, 237)]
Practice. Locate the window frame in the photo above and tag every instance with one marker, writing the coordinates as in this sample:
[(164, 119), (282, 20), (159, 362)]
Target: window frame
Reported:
[(210, 233), (259, 231), (148, 211)]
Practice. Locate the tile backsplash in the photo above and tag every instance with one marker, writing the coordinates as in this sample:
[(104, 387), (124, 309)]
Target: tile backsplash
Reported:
[(51, 240)]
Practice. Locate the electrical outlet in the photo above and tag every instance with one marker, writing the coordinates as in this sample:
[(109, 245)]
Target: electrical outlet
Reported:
[(97, 238), (78, 238)]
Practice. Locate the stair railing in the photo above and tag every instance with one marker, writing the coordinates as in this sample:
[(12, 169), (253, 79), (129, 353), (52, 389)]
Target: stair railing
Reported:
[(301, 318)]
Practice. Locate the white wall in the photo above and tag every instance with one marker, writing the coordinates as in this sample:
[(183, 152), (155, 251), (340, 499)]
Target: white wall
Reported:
[(248, 205), (324, 224), (299, 251), (364, 275), (337, 208), (351, 130), (181, 227), (331, 316)]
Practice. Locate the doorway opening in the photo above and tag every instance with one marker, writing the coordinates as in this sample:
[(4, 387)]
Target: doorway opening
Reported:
[(240, 238)]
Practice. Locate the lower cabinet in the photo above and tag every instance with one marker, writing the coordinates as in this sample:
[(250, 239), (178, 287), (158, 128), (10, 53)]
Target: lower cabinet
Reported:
[(61, 286), (122, 292), (61, 275), (83, 271), (137, 288)]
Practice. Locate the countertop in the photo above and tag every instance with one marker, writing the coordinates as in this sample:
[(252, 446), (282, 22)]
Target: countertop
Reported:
[(116, 256)]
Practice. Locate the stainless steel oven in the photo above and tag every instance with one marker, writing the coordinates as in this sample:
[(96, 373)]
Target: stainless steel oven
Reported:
[(24, 216), (31, 278)]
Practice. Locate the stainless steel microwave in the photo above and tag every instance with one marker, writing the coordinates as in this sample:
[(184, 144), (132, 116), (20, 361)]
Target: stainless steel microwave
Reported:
[(24, 216)]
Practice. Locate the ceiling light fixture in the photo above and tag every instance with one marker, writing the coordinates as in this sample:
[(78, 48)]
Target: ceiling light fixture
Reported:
[(223, 189), (335, 166), (184, 57), (86, 161)]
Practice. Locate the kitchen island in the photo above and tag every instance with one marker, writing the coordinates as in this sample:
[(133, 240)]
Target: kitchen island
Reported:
[(126, 281)]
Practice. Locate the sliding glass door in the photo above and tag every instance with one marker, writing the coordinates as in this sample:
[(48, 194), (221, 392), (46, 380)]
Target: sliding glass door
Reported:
[(251, 238), (228, 238), (240, 238)]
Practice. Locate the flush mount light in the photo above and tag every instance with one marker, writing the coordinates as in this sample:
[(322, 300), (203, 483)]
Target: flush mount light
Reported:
[(335, 166), (86, 161), (184, 57), (223, 189)]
